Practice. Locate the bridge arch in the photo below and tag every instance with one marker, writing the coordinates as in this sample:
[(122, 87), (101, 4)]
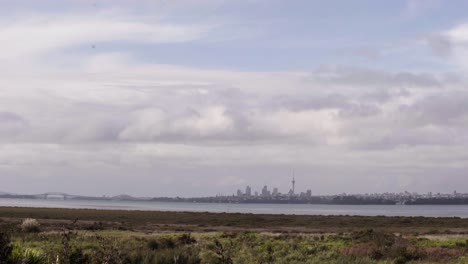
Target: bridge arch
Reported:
[(56, 194)]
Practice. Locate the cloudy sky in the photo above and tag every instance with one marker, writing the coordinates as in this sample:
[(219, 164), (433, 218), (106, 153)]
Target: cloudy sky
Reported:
[(190, 98)]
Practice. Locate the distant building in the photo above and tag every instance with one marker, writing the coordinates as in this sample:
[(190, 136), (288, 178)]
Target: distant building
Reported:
[(265, 192), (248, 191), (256, 194), (239, 193), (275, 192), (309, 193)]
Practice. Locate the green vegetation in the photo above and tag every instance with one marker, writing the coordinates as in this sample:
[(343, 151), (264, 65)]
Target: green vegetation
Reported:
[(229, 247), (92, 236)]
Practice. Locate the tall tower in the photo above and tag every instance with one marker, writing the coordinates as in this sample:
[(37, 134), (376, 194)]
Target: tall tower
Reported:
[(293, 184)]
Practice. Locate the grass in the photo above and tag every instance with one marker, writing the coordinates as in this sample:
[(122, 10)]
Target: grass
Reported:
[(441, 242), (366, 246), (94, 236)]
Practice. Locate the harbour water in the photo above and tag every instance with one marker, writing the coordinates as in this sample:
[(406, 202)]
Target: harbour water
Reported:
[(289, 209)]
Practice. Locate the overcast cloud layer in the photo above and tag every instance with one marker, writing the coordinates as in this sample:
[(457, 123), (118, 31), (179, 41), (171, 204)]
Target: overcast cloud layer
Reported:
[(191, 98)]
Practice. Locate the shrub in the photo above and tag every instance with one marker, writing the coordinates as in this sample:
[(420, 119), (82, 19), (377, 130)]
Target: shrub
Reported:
[(362, 249), (152, 244), (403, 254), (95, 226), (223, 252), (186, 239), (138, 258), (377, 238), (77, 256), (443, 254), (167, 242), (5, 247), (30, 225), (71, 255), (107, 252), (380, 245)]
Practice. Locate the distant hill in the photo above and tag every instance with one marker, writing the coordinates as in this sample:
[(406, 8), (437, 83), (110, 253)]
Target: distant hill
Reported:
[(123, 197)]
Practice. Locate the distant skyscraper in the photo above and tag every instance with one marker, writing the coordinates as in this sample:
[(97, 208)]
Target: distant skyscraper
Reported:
[(265, 191), (275, 192), (248, 191), (239, 193)]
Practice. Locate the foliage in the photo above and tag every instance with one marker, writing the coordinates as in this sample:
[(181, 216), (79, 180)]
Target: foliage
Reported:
[(153, 244), (108, 243), (5, 247), (30, 225)]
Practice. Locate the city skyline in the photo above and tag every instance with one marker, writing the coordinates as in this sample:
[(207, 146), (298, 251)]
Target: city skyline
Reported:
[(273, 197), (275, 192)]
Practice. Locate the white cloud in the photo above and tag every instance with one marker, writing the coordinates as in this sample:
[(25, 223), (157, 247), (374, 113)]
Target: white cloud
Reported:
[(156, 125), (316, 126), (36, 35), (458, 38)]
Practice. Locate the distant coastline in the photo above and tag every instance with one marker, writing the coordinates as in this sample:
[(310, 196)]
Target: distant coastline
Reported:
[(331, 199)]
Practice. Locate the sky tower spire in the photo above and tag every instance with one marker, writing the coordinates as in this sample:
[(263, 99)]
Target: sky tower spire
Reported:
[(293, 183)]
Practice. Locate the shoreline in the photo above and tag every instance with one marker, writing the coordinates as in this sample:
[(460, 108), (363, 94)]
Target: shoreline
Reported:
[(256, 209), (312, 200)]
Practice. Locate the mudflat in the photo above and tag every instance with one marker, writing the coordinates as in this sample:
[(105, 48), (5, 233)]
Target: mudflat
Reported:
[(203, 222)]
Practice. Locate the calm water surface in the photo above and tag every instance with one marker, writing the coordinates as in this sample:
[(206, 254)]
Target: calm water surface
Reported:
[(291, 209)]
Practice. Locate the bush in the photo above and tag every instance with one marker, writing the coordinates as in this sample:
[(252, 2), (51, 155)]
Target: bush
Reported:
[(377, 238), (403, 254), (443, 254), (77, 256), (107, 252), (153, 244), (224, 252), (96, 226), (186, 239), (167, 242), (5, 247), (30, 225)]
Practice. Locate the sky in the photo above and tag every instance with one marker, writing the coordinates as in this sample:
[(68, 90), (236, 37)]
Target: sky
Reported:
[(195, 98)]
